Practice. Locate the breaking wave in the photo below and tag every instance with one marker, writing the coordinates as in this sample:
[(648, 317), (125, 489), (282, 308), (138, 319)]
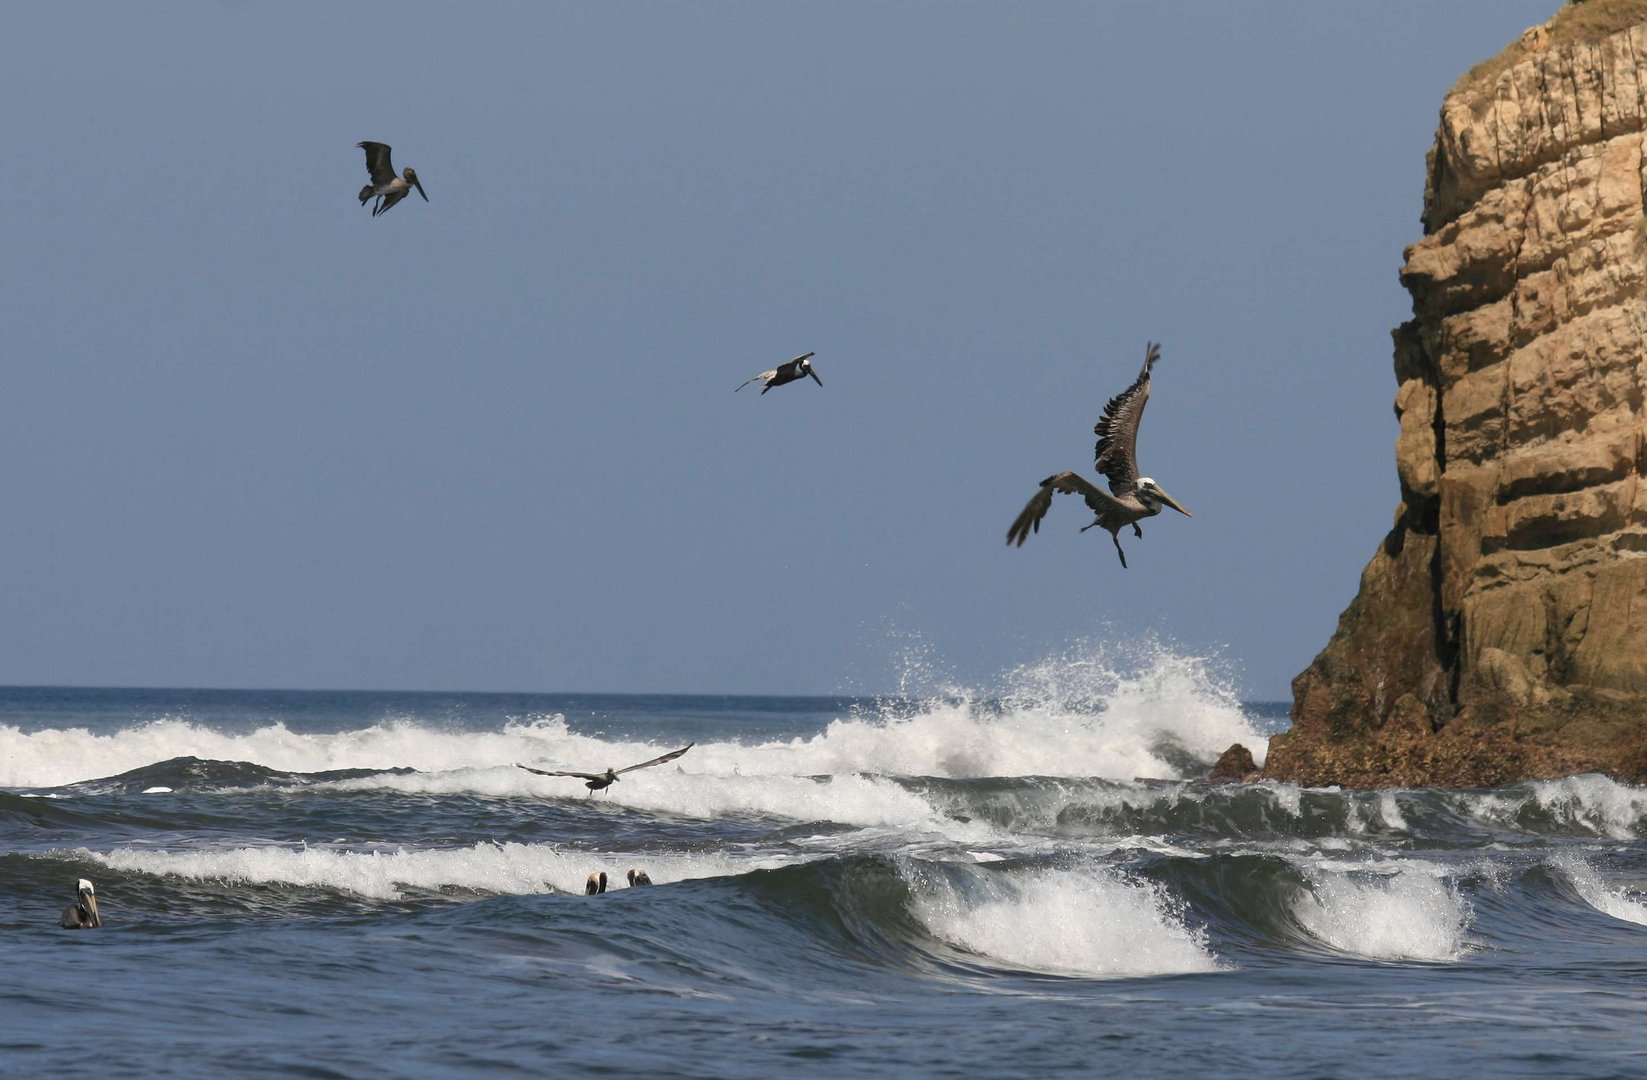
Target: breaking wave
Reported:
[(1085, 713), (1411, 914), (386, 875), (1094, 924)]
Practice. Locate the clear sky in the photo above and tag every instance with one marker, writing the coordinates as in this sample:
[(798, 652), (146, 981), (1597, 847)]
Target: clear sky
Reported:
[(250, 436)]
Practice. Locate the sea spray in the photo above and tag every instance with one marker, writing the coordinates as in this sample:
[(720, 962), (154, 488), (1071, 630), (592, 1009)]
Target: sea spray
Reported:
[(1619, 901), (1083, 713), (1093, 923), (1408, 915)]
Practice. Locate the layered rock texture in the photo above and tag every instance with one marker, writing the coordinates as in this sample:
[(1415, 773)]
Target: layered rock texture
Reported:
[(1501, 628)]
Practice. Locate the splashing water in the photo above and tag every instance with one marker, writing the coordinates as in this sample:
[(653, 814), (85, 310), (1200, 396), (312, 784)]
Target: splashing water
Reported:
[(1065, 922), (1618, 901), (1150, 713), (1410, 915)]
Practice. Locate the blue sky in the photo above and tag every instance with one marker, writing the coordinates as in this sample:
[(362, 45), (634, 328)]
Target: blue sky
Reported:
[(252, 437)]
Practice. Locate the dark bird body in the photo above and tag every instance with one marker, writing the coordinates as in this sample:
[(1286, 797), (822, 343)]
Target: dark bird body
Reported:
[(1130, 497), (596, 781), (639, 877), (798, 368), (595, 885), (386, 187), (82, 914)]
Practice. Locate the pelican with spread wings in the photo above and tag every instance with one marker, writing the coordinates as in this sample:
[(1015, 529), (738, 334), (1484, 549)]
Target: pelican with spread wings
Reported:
[(597, 781), (1130, 497), (386, 186)]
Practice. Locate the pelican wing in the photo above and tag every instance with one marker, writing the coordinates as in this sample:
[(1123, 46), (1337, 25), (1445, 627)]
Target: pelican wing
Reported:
[(1101, 502), (765, 376), (579, 775), (1117, 450), (377, 161), (671, 756)]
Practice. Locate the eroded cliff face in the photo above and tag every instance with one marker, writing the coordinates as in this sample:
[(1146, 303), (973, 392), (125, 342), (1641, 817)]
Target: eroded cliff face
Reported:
[(1501, 629)]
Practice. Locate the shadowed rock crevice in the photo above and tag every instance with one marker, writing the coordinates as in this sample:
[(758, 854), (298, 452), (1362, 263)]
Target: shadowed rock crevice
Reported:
[(1500, 631)]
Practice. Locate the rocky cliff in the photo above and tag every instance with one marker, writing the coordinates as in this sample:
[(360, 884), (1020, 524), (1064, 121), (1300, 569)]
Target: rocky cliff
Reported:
[(1501, 628)]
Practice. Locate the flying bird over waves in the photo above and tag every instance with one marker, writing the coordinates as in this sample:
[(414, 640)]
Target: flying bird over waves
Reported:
[(1130, 497), (82, 914), (386, 186), (595, 885), (597, 781), (798, 368)]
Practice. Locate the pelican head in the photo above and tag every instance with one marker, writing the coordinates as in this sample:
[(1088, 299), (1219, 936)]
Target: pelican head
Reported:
[(411, 178), (806, 366), (83, 913), (1152, 494)]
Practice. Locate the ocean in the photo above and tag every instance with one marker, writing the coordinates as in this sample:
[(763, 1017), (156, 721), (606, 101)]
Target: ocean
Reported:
[(1028, 881)]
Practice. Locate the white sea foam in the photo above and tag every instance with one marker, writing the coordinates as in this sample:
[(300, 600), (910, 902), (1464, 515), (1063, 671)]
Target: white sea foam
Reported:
[(1389, 811), (1412, 914), (851, 799), (1064, 922), (1595, 803), (382, 875), (52, 757), (1620, 901), (1081, 714)]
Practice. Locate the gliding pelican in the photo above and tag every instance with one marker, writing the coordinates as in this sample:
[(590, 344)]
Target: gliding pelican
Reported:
[(597, 781)]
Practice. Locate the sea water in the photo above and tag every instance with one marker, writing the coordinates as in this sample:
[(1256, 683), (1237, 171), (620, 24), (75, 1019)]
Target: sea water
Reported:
[(1029, 880)]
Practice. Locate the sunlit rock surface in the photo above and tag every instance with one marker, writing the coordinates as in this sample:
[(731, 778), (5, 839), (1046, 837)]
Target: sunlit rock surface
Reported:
[(1500, 631)]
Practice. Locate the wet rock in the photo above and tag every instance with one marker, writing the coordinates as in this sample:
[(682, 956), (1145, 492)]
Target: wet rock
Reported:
[(1234, 765)]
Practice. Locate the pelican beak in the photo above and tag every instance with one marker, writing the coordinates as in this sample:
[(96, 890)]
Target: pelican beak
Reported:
[(419, 185), (1168, 500), (89, 898), (814, 375)]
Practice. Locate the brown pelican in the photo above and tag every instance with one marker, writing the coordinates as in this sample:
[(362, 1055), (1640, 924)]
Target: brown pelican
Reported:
[(388, 187), (639, 877), (82, 914), (798, 368), (597, 781), (1130, 497), (595, 885)]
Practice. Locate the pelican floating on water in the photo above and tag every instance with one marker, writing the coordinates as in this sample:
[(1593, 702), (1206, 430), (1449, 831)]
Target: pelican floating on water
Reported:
[(798, 368), (82, 914), (1131, 497), (639, 877), (597, 781), (386, 186), (595, 885)]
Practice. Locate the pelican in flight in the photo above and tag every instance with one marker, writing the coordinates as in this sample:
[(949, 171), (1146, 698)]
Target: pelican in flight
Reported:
[(82, 914), (1130, 497), (595, 885), (386, 186), (798, 368), (596, 781)]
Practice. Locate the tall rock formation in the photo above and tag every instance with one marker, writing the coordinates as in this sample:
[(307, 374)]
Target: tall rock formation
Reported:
[(1501, 628)]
